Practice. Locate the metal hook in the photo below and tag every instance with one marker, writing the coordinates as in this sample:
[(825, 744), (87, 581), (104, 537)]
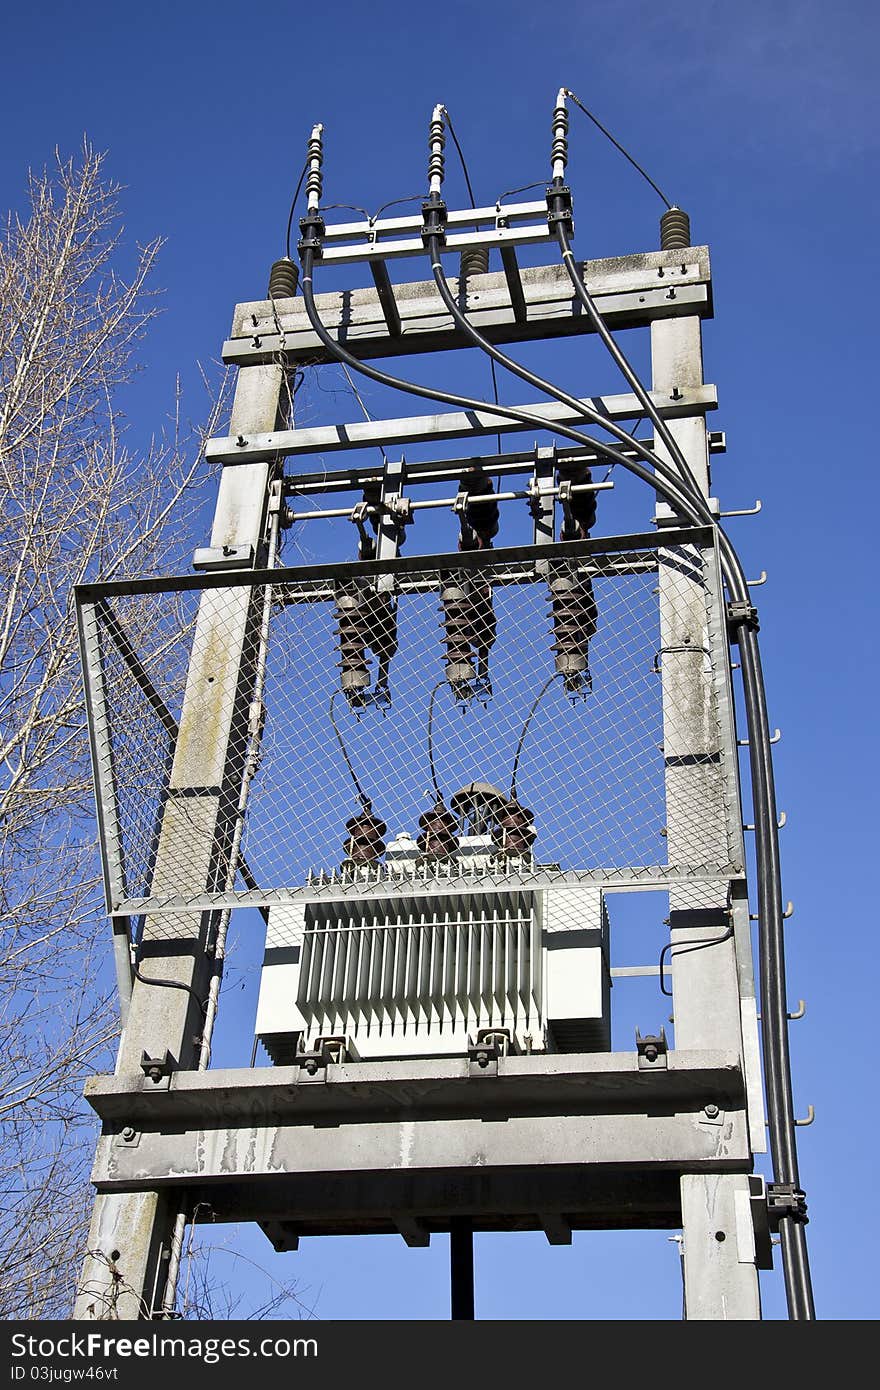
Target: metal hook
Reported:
[(775, 737), (745, 511), (811, 1115), (753, 583), (800, 1010), (788, 912), (780, 823)]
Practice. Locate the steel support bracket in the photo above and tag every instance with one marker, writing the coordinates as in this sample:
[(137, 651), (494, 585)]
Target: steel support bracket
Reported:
[(559, 207), (157, 1070), (484, 1054), (313, 1065), (312, 228), (223, 557), (652, 1050), (434, 214), (786, 1202)]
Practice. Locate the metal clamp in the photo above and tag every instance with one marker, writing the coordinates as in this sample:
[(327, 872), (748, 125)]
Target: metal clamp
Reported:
[(483, 1055), (652, 1050), (740, 613), (786, 1202), (325, 1051)]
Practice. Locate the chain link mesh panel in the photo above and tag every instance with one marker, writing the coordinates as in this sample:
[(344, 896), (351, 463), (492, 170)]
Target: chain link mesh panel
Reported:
[(556, 710)]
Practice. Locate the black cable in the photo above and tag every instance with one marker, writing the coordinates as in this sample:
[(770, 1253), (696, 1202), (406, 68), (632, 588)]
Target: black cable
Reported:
[(345, 207), (293, 205), (694, 943), (396, 202), (617, 145), (365, 800), (573, 402), (666, 483), (169, 984), (431, 740), (464, 170), (525, 728), (542, 183)]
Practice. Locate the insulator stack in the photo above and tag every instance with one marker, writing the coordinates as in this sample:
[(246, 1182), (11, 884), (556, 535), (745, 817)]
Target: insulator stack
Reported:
[(574, 624), (559, 148), (438, 839), (579, 509), (675, 230), (515, 831), (469, 629), (283, 279), (436, 145), (455, 598), (352, 616), (474, 262), (315, 158), (480, 519), (365, 843)]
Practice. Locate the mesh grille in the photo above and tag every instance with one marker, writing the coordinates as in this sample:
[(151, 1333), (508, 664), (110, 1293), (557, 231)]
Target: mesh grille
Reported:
[(611, 771)]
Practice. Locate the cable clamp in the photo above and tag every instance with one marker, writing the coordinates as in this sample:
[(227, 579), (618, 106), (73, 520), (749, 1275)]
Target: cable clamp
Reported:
[(785, 1201), (312, 227), (559, 207), (434, 213), (741, 613)]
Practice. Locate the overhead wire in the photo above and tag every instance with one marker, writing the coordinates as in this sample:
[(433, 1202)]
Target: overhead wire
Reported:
[(299, 185), (617, 145), (365, 800)]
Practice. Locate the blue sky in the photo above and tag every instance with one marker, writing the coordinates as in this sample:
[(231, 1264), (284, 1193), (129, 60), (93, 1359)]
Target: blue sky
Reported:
[(762, 122)]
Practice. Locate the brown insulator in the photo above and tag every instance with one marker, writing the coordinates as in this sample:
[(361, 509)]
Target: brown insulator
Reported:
[(515, 831), (283, 279), (675, 230), (365, 843), (438, 832), (352, 616), (455, 597), (473, 262), (574, 624)]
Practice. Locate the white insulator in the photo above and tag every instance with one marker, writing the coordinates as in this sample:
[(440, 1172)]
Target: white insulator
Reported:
[(559, 148), (436, 144), (315, 156)]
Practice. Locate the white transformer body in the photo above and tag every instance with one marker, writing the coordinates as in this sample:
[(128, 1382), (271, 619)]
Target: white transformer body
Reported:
[(429, 974)]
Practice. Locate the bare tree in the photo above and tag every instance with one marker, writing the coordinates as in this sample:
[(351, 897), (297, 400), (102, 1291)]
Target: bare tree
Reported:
[(78, 502)]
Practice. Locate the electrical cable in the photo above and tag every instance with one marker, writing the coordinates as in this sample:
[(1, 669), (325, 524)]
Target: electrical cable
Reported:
[(299, 185), (556, 675), (677, 490), (431, 739), (365, 800), (542, 183), (777, 1060), (617, 145), (395, 203), (168, 984), (684, 948)]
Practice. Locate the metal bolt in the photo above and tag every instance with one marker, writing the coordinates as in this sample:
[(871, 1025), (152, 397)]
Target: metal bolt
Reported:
[(482, 1059), (128, 1133), (311, 1066), (712, 1110), (650, 1053), (155, 1074), (241, 441)]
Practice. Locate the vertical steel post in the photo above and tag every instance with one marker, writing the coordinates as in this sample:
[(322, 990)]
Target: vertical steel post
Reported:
[(461, 1269), (720, 1277), (129, 1240)]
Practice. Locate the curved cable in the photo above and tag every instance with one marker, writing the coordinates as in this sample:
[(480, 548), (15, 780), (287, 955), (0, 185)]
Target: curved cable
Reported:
[(293, 205), (365, 800), (617, 145), (431, 739), (525, 728)]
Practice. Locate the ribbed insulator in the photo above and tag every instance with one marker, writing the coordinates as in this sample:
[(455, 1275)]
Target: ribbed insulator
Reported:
[(582, 506), (438, 839), (515, 831), (436, 143), (283, 279), (457, 633), (315, 158), (559, 148), (574, 624), (473, 262), (365, 843), (352, 617), (675, 230)]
